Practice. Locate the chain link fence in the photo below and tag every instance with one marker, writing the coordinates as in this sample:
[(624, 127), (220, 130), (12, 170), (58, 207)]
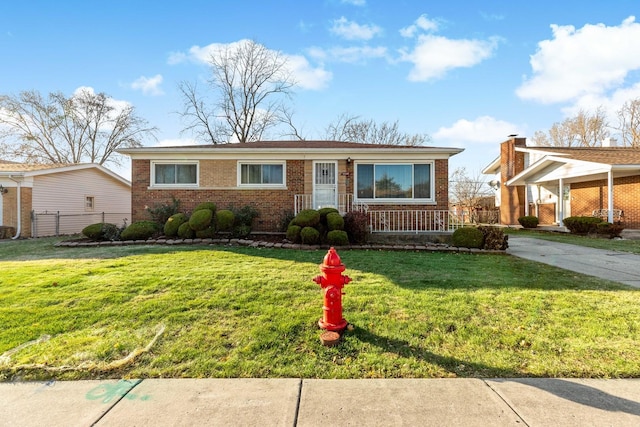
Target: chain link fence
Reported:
[(45, 224)]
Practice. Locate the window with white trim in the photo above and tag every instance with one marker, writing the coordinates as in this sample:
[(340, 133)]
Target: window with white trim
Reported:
[(174, 174), (394, 181), (89, 203), (261, 174)]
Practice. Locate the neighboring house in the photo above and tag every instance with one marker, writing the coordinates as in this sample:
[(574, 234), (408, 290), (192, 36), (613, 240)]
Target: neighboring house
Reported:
[(403, 188), (554, 183), (46, 200)]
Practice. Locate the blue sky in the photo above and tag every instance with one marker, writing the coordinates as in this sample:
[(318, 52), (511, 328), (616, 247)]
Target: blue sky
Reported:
[(468, 73)]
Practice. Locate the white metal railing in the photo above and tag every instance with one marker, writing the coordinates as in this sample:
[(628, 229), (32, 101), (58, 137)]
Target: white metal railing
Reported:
[(345, 203), (390, 221)]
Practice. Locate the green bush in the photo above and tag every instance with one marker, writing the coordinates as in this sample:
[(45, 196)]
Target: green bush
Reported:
[(337, 238), (225, 219), (173, 223), (185, 231), (293, 233), (101, 231), (285, 220), (141, 230), (241, 231), (307, 218), (245, 216), (494, 238), (608, 229), (467, 237), (160, 213), (207, 233), (582, 224), (200, 219), (324, 212), (206, 205), (309, 236), (356, 224), (335, 221), (528, 221)]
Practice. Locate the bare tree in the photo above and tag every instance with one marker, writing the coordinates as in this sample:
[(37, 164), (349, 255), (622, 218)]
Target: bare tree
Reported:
[(354, 129), (629, 123), (583, 130), (468, 191), (540, 139), (85, 127), (250, 83)]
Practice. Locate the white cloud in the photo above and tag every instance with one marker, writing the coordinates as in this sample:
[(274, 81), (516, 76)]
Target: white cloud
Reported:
[(484, 129), (354, 54), (148, 85), (355, 2), (584, 62), (422, 23), (351, 30), (433, 56), (306, 75)]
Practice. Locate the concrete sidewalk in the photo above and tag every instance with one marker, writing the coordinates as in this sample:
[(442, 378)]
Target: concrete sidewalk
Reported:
[(296, 402), (610, 265)]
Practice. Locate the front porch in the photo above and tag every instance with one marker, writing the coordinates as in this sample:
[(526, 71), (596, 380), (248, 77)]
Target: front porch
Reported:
[(390, 220)]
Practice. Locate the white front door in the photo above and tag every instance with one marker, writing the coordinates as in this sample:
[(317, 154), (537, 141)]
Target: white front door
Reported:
[(325, 185)]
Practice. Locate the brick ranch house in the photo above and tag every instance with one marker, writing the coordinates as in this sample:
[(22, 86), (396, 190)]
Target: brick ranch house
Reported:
[(402, 188), (553, 183)]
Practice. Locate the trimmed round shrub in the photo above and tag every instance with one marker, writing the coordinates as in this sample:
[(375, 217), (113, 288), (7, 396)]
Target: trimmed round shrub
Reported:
[(96, 231), (225, 219), (293, 233), (207, 233), (356, 224), (206, 205), (335, 221), (324, 212), (185, 231), (467, 237), (337, 238), (141, 230), (307, 218), (309, 236), (173, 223), (582, 224), (528, 221), (200, 219)]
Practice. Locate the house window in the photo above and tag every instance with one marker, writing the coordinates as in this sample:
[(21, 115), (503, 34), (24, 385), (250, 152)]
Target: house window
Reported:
[(175, 174), (89, 203), (382, 181), (262, 174)]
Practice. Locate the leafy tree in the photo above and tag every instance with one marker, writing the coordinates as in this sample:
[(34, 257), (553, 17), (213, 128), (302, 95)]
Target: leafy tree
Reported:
[(249, 84), (354, 129), (84, 127)]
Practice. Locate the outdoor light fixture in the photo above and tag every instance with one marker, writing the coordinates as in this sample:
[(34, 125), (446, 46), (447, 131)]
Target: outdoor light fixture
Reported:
[(495, 184), (3, 190), (348, 160)]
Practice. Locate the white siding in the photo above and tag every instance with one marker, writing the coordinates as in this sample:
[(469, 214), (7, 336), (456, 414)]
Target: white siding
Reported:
[(65, 193)]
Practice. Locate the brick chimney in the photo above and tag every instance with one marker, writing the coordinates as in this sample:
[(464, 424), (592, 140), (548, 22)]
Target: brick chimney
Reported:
[(512, 198)]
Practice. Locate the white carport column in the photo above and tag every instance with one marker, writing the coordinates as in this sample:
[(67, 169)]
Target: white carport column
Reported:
[(560, 202), (610, 198)]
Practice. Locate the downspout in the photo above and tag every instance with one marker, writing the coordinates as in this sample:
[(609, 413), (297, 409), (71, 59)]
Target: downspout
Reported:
[(18, 196), (560, 202), (610, 196)]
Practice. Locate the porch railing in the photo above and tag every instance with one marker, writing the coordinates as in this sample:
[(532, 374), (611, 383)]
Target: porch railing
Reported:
[(391, 221), (345, 203), (395, 221)]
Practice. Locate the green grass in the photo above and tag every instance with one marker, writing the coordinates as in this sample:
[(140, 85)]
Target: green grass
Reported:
[(213, 311), (632, 246)]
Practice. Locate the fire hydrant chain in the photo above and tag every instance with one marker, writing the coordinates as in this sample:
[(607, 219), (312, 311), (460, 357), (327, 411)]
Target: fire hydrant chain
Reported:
[(332, 281)]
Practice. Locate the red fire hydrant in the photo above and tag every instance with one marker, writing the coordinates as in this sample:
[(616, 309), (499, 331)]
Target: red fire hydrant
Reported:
[(332, 281)]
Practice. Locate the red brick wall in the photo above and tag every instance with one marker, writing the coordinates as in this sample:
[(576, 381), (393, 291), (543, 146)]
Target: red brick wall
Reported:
[(512, 198), (271, 204), (587, 196), (546, 213)]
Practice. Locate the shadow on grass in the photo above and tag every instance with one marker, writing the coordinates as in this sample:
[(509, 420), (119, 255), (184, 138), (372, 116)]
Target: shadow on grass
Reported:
[(461, 368)]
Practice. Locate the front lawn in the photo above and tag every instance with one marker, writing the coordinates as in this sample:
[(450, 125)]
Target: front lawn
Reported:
[(214, 311)]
